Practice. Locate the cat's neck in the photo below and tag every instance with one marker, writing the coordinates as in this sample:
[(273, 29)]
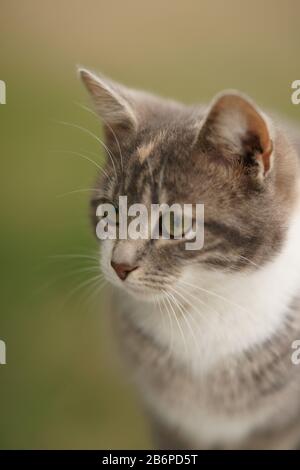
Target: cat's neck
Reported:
[(236, 313)]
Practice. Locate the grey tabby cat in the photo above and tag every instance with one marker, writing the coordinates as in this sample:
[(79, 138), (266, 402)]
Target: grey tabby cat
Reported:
[(207, 333)]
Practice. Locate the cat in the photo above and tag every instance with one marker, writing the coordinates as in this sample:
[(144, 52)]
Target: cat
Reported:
[(207, 333)]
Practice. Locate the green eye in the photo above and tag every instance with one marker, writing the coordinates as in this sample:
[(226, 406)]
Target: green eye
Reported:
[(117, 215), (114, 221), (188, 224), (172, 225), (110, 219)]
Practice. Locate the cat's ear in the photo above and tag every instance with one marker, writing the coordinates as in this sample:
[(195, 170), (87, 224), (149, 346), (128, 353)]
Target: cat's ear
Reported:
[(236, 132), (113, 102)]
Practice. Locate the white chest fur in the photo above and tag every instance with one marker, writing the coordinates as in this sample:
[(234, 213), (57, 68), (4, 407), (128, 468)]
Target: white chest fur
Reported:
[(223, 315)]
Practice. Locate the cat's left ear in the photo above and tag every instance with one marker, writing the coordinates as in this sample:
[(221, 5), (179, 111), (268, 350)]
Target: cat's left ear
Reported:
[(113, 102), (236, 132)]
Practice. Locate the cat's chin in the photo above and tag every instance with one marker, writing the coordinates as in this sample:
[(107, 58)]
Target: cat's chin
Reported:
[(145, 294)]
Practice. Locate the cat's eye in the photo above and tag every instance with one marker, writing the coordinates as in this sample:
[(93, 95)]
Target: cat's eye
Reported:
[(111, 219), (175, 226), (114, 220), (188, 225), (172, 225)]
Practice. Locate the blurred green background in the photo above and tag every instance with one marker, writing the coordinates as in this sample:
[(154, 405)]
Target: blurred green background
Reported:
[(64, 385)]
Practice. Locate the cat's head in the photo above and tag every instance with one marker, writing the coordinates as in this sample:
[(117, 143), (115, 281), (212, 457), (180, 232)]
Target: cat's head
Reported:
[(228, 156)]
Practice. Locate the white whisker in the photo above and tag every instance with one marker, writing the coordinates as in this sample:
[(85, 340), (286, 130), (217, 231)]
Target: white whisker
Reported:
[(86, 108), (214, 294), (80, 190), (249, 261), (170, 350), (198, 300), (78, 154), (88, 132), (81, 286), (185, 317), (71, 255), (177, 321)]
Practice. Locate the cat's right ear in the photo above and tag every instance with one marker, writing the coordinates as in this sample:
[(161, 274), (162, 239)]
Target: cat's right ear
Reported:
[(235, 132), (112, 102)]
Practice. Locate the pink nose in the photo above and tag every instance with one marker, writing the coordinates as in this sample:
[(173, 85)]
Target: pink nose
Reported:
[(122, 269)]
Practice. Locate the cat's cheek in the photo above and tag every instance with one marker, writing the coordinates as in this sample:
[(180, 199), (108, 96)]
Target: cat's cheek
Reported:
[(105, 256)]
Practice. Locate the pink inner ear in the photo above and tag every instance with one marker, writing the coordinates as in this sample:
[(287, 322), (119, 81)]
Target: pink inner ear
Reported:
[(257, 126), (266, 158)]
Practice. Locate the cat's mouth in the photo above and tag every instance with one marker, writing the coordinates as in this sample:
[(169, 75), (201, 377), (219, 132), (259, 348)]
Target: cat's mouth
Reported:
[(138, 281), (137, 286)]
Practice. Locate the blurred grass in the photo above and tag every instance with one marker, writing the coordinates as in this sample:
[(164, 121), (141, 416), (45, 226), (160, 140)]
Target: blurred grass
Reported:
[(63, 384)]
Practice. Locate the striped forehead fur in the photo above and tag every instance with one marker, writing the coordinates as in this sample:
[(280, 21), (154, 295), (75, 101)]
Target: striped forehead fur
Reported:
[(144, 151)]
